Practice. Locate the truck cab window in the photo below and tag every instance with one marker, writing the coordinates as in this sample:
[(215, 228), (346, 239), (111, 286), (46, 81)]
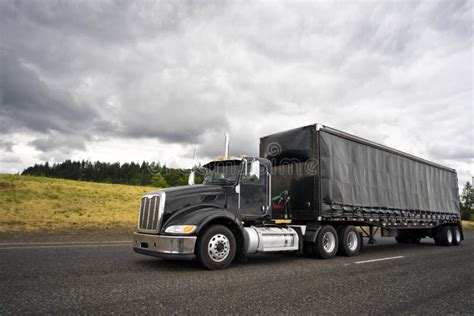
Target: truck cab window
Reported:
[(221, 173), (248, 179)]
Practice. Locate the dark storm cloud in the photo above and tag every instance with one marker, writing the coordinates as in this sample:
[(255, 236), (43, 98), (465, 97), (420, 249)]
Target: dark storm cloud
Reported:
[(52, 49), (28, 102), (59, 142), (6, 145)]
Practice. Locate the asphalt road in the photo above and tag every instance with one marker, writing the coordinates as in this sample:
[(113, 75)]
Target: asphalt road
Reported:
[(110, 278)]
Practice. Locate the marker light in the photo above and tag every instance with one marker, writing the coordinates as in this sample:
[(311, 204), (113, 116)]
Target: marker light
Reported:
[(180, 229)]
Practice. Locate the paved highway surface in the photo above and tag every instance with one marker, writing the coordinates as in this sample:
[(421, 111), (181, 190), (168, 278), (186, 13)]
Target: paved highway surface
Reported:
[(110, 278)]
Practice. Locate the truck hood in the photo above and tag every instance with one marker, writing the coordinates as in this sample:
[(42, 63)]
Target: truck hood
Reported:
[(182, 197), (190, 190)]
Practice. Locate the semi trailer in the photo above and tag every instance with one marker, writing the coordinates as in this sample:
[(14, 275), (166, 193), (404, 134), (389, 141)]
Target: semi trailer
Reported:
[(315, 191)]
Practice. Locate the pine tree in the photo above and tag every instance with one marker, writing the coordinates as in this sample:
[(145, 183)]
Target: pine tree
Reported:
[(467, 201), (158, 181)]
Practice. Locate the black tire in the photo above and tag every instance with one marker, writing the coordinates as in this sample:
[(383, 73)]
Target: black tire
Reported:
[(456, 235), (326, 243), (436, 234), (308, 249), (444, 236), (222, 242), (349, 241)]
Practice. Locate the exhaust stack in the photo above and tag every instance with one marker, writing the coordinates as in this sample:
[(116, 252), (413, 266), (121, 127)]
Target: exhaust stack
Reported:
[(226, 150)]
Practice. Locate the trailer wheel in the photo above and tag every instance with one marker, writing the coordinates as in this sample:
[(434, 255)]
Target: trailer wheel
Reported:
[(456, 235), (349, 241), (326, 243), (436, 234), (444, 236), (215, 248)]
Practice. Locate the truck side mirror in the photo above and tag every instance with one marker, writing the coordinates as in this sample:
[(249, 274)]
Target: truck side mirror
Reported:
[(255, 170), (191, 178)]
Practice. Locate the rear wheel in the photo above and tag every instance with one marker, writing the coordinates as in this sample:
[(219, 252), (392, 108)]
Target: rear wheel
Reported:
[(308, 249), (349, 241), (456, 235), (436, 233), (215, 248), (443, 236), (326, 243)]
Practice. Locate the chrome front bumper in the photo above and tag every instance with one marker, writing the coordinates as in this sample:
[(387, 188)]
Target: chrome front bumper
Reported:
[(164, 246)]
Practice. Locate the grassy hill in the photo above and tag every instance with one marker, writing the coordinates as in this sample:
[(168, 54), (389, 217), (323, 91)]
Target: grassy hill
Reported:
[(30, 204)]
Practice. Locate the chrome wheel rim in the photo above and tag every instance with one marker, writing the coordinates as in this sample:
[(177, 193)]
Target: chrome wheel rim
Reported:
[(449, 236), (218, 247), (352, 241), (329, 242), (457, 234)]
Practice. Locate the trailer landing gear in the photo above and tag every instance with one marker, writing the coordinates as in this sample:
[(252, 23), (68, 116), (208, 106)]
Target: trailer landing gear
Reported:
[(370, 234)]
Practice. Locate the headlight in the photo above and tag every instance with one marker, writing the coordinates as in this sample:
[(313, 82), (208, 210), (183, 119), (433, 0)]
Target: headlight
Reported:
[(180, 229)]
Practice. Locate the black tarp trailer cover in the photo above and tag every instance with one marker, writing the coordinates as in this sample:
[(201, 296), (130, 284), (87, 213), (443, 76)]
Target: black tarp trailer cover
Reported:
[(329, 173)]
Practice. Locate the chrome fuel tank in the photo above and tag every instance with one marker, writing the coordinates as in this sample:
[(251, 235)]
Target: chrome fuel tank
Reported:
[(264, 239)]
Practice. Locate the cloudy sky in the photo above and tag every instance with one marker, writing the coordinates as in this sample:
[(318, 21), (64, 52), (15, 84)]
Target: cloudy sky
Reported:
[(132, 81)]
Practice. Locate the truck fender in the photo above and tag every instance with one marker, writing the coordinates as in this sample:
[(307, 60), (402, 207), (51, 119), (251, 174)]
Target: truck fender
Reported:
[(210, 216), (312, 230), (202, 217), (217, 215)]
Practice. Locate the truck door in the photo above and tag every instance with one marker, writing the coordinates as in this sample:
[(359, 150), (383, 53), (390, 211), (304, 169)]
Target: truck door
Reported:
[(254, 194)]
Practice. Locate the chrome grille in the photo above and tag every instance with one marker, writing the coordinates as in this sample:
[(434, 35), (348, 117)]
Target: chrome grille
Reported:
[(151, 211)]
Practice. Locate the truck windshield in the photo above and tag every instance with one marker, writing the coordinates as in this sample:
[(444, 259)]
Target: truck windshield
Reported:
[(221, 172)]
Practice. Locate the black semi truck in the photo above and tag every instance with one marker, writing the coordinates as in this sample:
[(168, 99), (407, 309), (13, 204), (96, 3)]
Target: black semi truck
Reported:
[(314, 190)]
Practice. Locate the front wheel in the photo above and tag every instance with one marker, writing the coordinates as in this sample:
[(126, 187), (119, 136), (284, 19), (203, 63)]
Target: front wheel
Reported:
[(215, 248)]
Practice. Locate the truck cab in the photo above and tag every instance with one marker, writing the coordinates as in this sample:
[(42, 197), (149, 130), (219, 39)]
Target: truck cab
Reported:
[(207, 220), (247, 182)]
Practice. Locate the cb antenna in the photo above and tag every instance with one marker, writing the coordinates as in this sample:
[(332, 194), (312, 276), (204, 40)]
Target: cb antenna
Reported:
[(195, 145)]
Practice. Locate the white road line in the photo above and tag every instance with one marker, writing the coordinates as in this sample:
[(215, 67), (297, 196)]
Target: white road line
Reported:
[(50, 243), (381, 259), (69, 245)]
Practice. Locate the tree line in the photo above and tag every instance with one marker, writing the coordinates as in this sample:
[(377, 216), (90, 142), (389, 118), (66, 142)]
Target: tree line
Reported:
[(146, 173)]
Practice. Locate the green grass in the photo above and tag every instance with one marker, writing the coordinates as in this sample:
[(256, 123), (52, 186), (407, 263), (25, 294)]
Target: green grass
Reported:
[(469, 225), (38, 203)]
